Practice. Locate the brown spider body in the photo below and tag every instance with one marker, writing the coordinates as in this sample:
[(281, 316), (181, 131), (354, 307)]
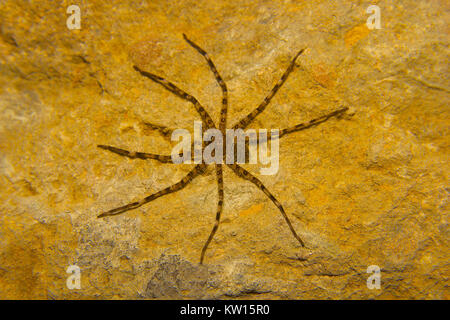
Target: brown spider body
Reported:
[(208, 123)]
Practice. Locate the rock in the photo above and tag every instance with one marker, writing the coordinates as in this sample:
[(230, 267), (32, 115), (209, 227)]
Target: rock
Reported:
[(367, 188)]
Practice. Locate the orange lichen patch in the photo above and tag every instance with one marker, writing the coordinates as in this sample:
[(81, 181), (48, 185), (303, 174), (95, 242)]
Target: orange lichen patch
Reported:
[(147, 51), (323, 75), (252, 210), (25, 188), (317, 196), (30, 258), (355, 34)]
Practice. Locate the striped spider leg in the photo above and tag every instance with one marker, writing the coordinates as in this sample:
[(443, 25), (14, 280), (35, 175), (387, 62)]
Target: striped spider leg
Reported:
[(198, 169), (222, 127)]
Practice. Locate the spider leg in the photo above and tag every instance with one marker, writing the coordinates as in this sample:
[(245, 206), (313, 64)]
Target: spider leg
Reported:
[(198, 169), (206, 118), (241, 172), (143, 155), (244, 122), (163, 130), (219, 174), (223, 86), (313, 122), (137, 155), (310, 123)]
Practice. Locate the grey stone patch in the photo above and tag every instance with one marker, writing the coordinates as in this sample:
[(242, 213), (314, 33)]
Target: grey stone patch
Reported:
[(176, 278)]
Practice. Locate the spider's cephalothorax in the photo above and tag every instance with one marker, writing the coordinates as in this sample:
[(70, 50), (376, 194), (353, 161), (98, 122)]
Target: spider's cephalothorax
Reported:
[(208, 123)]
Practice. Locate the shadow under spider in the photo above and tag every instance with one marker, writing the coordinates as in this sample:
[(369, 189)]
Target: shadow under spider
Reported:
[(208, 123)]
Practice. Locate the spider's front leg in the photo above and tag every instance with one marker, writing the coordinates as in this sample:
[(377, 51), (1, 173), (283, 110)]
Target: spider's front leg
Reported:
[(313, 122), (306, 125), (222, 84), (206, 118), (244, 122)]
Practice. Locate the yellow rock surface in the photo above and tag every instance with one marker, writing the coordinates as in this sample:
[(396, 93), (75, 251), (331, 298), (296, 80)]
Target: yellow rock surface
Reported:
[(370, 188)]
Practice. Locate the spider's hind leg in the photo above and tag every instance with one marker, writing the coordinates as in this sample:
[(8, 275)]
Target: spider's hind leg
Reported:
[(219, 173), (198, 169), (244, 174)]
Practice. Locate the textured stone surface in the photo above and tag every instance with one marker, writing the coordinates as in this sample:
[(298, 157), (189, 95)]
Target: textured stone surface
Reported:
[(368, 189)]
